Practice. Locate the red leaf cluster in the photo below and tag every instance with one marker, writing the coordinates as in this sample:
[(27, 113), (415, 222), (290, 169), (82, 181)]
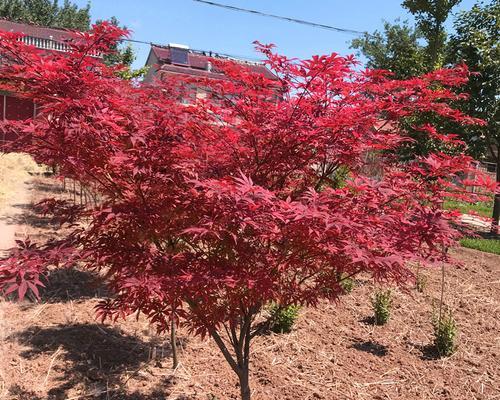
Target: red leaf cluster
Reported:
[(212, 209)]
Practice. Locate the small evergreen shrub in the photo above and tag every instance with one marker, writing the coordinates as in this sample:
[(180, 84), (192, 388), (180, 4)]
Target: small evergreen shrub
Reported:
[(347, 284), (445, 332), (283, 317), (381, 303), (420, 282)]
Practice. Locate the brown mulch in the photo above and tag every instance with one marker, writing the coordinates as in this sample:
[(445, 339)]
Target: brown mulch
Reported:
[(55, 349)]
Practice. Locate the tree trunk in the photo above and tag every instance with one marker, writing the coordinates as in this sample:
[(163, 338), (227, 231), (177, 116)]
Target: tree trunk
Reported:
[(244, 383), (241, 346), (173, 343), (496, 204)]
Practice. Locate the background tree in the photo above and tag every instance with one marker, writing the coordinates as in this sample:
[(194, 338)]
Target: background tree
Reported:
[(430, 16), (396, 49), (211, 211), (399, 49), (476, 43), (47, 13), (409, 51), (123, 54)]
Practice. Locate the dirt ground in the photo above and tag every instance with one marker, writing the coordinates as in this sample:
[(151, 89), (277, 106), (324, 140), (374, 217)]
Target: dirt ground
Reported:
[(15, 174), (54, 349)]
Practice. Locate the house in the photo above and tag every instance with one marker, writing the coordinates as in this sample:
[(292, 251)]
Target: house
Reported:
[(47, 39), (176, 59)]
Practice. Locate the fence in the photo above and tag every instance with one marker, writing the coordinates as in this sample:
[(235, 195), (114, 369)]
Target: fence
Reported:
[(79, 194)]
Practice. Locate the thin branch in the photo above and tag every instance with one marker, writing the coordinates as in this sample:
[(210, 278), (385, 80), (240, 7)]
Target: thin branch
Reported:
[(227, 355)]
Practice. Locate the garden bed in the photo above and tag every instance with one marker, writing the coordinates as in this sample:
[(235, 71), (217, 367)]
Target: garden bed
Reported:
[(56, 350)]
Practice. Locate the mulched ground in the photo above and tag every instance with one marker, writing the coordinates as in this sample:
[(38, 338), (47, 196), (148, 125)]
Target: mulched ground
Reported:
[(55, 350)]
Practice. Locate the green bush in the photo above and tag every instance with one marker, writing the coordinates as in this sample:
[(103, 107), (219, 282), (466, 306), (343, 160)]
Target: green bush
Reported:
[(283, 318), (445, 331), (347, 284), (381, 303), (420, 282)]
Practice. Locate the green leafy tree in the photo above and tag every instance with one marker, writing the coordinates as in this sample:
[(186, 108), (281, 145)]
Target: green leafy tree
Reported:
[(68, 15), (396, 49), (47, 13), (409, 51), (475, 42), (399, 47), (123, 54), (430, 16)]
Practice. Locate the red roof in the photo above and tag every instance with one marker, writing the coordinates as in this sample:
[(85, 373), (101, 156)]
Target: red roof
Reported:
[(198, 63), (56, 34), (42, 37)]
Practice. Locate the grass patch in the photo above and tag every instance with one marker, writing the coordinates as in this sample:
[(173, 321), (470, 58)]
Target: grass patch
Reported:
[(482, 208), (486, 245)]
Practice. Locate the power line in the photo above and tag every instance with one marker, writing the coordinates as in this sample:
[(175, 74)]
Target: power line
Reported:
[(288, 19)]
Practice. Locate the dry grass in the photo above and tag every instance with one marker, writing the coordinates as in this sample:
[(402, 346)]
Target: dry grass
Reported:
[(15, 168)]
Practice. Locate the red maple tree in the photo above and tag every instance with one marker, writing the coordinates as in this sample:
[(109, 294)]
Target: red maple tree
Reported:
[(214, 209)]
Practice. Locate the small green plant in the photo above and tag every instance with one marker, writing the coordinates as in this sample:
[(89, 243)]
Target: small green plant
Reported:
[(347, 284), (283, 318), (420, 282), (381, 303), (445, 332)]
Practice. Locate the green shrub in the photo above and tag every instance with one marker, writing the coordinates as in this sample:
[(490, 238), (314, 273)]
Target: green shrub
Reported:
[(420, 282), (347, 284), (381, 303), (445, 331), (340, 177), (283, 318)]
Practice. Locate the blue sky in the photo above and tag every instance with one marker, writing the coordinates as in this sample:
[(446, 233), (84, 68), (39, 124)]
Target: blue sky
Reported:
[(209, 28)]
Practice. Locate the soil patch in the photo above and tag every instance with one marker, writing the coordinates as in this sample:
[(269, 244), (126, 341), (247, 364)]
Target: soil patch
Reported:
[(55, 349)]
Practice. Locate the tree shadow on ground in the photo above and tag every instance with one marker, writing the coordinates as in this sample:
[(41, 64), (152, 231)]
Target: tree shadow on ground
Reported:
[(22, 394), (368, 320), (46, 187), (66, 285), (30, 217), (69, 284), (429, 352), (159, 393), (95, 359), (371, 347)]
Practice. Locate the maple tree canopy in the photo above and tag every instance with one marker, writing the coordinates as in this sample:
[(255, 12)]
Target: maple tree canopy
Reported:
[(212, 209)]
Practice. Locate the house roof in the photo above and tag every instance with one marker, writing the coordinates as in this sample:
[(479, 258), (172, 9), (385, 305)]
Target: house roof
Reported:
[(42, 37), (198, 63), (56, 34)]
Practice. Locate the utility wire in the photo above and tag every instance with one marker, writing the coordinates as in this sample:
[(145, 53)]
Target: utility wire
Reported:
[(288, 19), (262, 14)]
